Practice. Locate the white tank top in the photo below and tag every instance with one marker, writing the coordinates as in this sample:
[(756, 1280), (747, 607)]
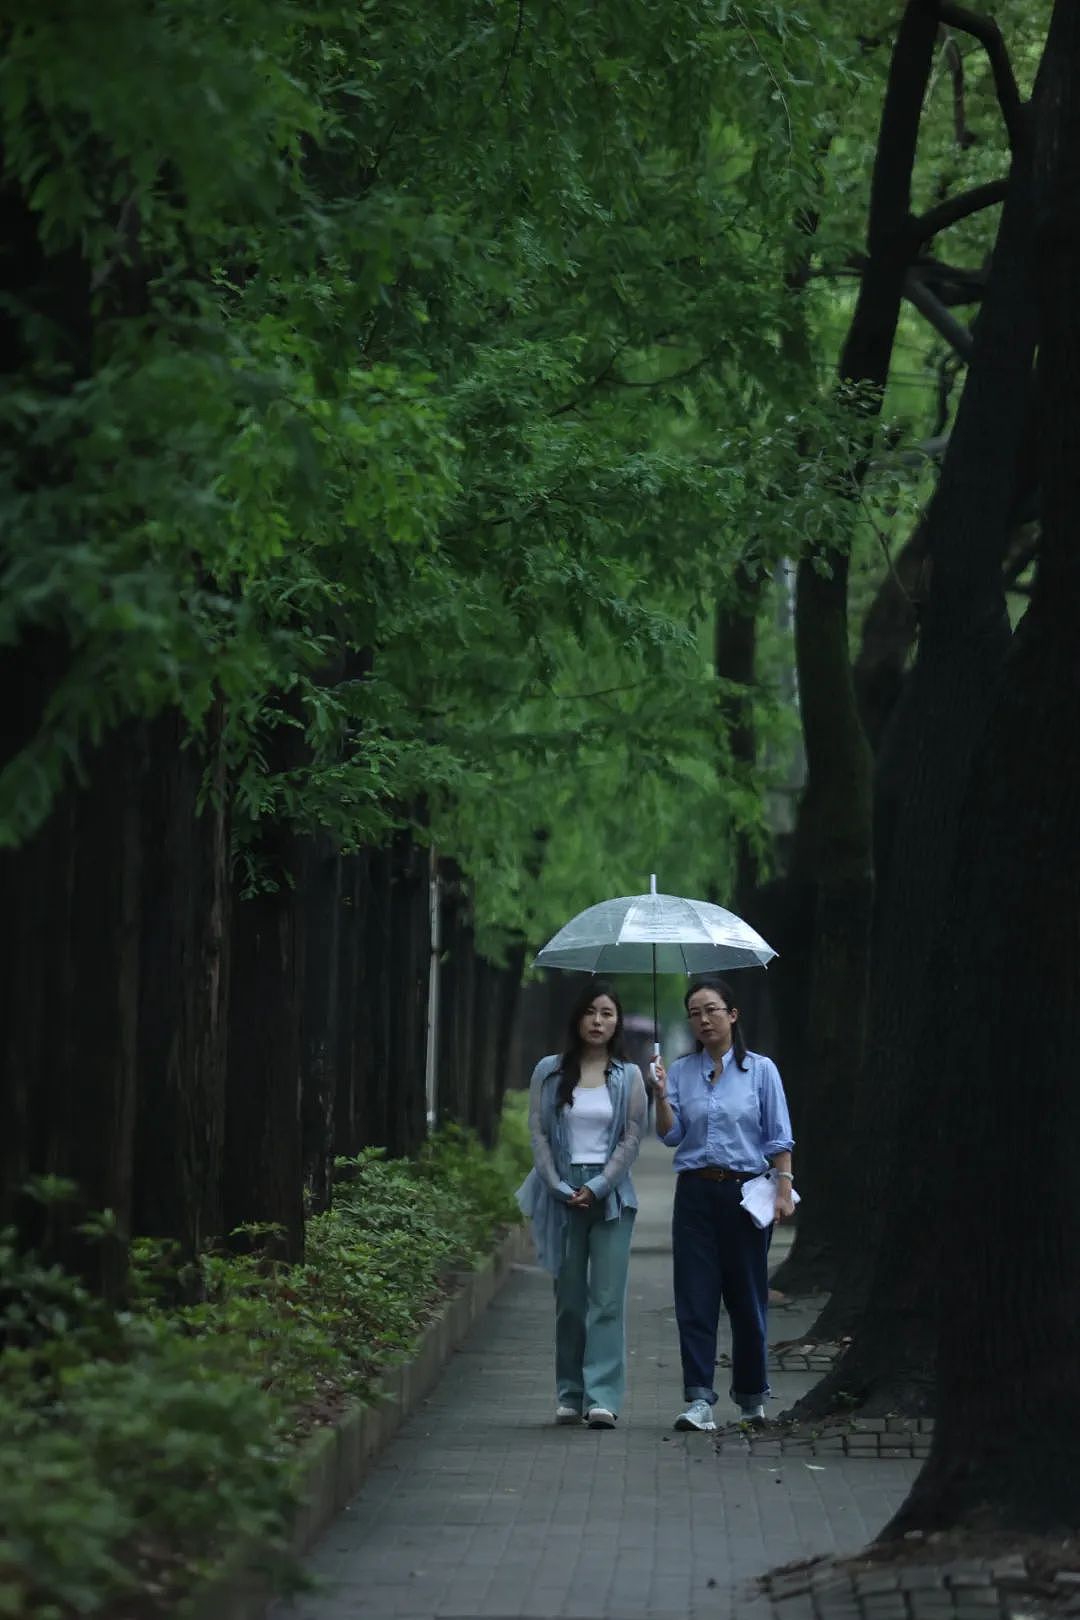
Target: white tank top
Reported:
[(590, 1125)]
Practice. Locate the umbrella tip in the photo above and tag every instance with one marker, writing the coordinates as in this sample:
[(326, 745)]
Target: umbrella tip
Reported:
[(652, 884)]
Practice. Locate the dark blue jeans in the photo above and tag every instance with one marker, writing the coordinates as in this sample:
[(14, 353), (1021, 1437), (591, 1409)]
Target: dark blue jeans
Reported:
[(720, 1258)]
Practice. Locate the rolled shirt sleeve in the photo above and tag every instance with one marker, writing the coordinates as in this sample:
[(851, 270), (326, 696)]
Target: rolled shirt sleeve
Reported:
[(776, 1134)]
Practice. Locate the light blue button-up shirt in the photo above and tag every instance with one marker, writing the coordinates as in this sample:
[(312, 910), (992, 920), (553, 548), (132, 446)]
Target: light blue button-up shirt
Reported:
[(740, 1120)]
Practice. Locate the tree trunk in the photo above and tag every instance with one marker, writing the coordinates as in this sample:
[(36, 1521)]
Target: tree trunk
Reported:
[(411, 907), (885, 1289), (838, 885), (263, 1141), (69, 998), (183, 999), (386, 960), (888, 635), (734, 661), (1005, 1450), (833, 856), (457, 1054), (323, 909)]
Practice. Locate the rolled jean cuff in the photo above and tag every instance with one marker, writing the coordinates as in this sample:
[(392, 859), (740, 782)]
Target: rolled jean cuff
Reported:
[(750, 1400), (696, 1393)]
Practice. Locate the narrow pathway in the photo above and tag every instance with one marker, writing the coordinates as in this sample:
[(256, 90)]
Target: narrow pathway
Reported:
[(482, 1510)]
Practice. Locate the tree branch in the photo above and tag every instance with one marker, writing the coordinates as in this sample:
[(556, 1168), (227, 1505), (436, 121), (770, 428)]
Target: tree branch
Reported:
[(989, 35), (953, 209), (595, 383), (514, 44), (952, 283), (939, 315), (954, 61)]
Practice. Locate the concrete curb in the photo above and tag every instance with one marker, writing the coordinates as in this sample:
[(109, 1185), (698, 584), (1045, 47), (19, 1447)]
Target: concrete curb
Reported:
[(335, 1460)]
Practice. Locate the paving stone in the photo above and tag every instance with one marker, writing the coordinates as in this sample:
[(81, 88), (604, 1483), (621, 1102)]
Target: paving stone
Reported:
[(783, 1586), (871, 1581), (483, 1495), (1012, 1568), (795, 1608), (922, 1577)]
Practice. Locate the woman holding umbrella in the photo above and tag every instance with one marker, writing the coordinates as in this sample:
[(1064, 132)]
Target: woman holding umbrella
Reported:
[(587, 1115), (723, 1110)]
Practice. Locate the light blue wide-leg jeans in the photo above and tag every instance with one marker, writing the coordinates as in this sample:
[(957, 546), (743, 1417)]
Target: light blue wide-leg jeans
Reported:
[(590, 1304)]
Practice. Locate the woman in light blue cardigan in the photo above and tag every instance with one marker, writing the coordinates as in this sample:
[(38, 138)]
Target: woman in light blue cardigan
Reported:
[(587, 1114)]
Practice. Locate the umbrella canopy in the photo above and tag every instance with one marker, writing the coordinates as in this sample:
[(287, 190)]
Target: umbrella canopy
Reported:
[(655, 933)]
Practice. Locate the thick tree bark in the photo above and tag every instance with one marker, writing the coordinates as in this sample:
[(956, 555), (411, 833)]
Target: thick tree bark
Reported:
[(735, 660), (833, 857), (888, 636), (1005, 1443), (183, 999), (885, 1289), (927, 753), (834, 868), (264, 1160), (735, 654), (457, 1028), (351, 1025), (380, 1091), (68, 1002), (264, 1155), (323, 928)]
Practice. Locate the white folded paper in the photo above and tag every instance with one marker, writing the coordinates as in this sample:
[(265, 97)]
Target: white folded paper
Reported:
[(759, 1198)]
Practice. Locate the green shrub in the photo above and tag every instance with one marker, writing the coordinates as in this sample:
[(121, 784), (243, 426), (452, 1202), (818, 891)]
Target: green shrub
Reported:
[(512, 1158), (137, 1446)]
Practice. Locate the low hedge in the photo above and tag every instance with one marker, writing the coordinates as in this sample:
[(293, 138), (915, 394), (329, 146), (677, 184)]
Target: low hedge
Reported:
[(137, 1445)]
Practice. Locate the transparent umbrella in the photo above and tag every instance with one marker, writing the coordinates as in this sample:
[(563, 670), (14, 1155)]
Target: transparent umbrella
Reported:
[(655, 933)]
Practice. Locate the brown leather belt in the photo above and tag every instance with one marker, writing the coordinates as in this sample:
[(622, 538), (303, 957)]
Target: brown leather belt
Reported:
[(718, 1172)]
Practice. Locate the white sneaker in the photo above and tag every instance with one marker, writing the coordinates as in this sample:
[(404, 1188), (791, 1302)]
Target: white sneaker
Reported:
[(698, 1415), (752, 1414), (567, 1414), (598, 1417)]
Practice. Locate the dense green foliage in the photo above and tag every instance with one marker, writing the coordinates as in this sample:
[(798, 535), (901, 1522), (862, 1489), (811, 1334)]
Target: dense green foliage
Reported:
[(438, 371), (137, 1446), (388, 376)]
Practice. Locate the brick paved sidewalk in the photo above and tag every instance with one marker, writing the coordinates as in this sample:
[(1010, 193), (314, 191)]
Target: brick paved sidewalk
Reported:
[(481, 1508)]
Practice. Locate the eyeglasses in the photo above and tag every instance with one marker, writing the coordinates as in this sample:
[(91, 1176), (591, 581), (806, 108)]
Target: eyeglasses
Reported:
[(707, 1012)]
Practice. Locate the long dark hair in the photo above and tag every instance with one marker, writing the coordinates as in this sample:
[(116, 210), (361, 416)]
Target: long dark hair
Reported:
[(569, 1070), (713, 981)]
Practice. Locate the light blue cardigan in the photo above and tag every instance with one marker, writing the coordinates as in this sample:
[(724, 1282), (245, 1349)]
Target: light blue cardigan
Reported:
[(545, 1190)]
